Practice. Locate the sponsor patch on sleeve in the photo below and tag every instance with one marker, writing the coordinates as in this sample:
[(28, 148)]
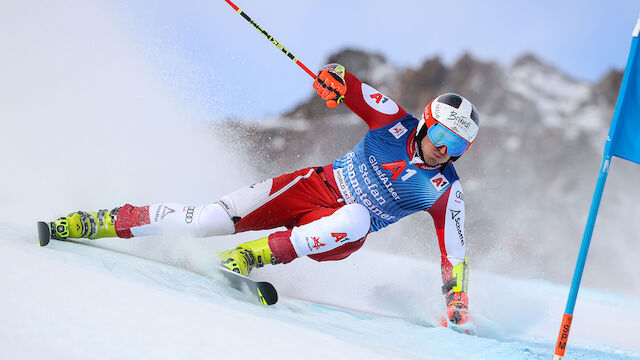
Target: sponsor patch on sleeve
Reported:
[(378, 100)]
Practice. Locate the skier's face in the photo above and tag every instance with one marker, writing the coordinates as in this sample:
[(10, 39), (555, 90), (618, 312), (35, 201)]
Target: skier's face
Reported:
[(433, 155)]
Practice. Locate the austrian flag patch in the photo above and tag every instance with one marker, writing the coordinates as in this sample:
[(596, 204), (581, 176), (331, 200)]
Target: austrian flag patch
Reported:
[(398, 130)]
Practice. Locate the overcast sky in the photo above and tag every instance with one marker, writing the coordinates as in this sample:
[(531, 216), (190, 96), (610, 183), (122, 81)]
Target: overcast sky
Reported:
[(212, 54)]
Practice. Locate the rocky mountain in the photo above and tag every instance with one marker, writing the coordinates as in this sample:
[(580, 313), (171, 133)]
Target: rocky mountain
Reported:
[(528, 178)]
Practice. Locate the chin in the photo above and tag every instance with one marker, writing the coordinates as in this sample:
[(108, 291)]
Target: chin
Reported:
[(434, 162)]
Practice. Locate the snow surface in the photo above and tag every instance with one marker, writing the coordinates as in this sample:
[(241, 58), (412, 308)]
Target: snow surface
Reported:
[(76, 301)]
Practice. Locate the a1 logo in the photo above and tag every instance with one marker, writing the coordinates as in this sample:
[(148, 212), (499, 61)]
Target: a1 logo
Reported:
[(378, 101), (439, 182), (379, 97), (397, 167), (339, 236)]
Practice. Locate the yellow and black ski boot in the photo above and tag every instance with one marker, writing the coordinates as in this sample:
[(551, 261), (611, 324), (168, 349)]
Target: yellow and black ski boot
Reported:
[(247, 256), (80, 224)]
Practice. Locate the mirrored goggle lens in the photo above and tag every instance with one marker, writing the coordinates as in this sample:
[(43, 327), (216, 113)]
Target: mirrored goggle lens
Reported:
[(440, 135)]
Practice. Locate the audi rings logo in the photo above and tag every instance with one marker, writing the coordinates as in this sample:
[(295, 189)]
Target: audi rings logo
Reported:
[(460, 195), (189, 216)]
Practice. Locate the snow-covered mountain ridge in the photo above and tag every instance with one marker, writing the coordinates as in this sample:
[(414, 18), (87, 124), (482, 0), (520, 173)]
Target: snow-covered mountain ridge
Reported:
[(525, 94)]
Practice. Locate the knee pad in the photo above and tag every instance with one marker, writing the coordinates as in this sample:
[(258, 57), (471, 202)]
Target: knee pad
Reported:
[(243, 201), (214, 220), (348, 224)]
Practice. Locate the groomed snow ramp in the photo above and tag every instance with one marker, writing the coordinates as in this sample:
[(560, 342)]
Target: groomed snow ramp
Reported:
[(76, 301)]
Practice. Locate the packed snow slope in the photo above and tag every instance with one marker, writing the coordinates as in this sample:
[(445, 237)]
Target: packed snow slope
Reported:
[(74, 301)]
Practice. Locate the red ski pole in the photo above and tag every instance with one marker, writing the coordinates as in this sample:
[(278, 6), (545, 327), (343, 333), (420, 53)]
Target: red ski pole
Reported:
[(276, 43)]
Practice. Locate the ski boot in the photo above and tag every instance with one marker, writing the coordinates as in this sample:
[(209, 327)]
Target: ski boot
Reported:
[(245, 257), (80, 224)]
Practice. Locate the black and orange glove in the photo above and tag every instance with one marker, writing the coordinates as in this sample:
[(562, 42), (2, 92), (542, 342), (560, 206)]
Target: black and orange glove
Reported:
[(455, 294), (458, 307), (330, 84)]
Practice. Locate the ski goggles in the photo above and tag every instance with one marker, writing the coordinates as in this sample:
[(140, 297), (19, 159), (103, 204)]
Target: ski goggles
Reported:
[(440, 135)]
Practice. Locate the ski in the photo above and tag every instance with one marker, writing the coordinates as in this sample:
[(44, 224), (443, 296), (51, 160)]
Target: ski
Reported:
[(44, 233), (264, 291)]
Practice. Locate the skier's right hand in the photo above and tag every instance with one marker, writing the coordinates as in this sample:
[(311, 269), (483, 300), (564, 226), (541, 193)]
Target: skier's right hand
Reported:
[(330, 84)]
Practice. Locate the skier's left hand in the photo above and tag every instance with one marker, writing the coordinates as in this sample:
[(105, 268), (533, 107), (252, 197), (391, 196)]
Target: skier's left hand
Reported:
[(458, 315), (330, 84), (458, 308)]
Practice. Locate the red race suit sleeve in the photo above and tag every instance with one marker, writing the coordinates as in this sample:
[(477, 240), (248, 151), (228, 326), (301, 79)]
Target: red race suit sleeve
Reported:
[(375, 108), (448, 218)]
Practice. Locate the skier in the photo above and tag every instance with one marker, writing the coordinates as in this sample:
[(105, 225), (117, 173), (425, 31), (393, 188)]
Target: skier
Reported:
[(401, 166)]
